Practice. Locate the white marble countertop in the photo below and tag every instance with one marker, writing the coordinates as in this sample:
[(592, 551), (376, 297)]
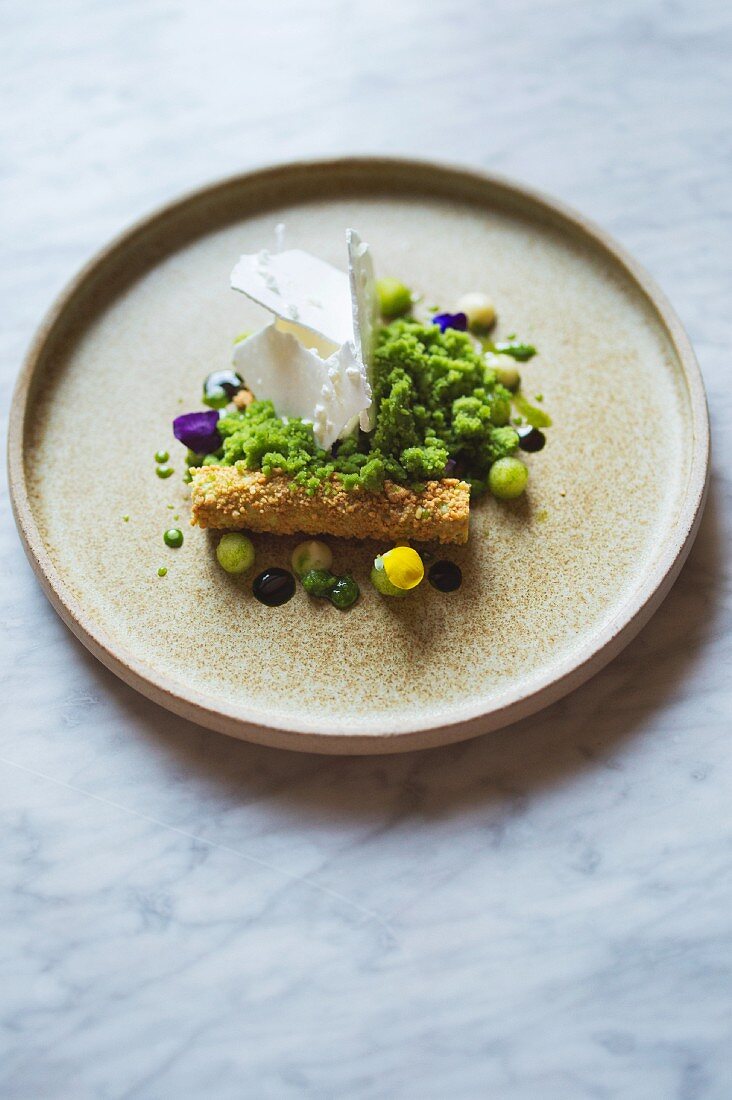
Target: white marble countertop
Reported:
[(541, 914)]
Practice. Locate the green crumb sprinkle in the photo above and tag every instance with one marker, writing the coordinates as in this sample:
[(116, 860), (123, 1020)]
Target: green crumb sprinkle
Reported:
[(436, 399), (170, 506), (176, 516), (538, 397), (542, 516), (162, 571), (126, 518)]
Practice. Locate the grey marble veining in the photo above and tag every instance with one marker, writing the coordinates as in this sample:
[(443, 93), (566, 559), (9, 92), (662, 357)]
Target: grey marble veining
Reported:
[(541, 914)]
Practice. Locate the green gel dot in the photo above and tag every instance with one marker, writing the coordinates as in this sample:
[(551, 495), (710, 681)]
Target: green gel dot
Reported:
[(173, 537), (164, 471), (161, 456), (162, 571), (126, 519)]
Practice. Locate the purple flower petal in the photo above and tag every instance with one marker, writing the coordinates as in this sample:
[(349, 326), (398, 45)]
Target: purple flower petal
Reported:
[(197, 431), (450, 467), (451, 320)]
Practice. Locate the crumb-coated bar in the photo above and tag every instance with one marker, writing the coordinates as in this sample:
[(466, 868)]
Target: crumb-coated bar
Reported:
[(228, 498)]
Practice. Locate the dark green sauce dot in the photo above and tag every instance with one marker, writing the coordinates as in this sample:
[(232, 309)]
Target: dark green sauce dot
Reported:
[(161, 456), (173, 537), (164, 471), (344, 593), (162, 571), (318, 582)]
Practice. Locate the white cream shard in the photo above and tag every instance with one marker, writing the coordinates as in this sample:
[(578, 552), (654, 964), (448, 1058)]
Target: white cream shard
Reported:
[(300, 288), (365, 308), (327, 393)]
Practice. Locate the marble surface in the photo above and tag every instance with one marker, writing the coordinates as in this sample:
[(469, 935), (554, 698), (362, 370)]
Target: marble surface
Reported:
[(541, 913)]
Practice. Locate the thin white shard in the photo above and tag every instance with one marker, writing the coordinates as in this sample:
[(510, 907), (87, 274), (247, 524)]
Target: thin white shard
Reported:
[(364, 307), (299, 288)]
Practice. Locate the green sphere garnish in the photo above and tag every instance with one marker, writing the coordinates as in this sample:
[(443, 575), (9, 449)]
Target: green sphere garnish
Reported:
[(161, 456), (235, 552), (319, 582), (162, 571), (383, 585), (395, 298), (311, 554), (173, 537), (216, 398), (507, 478), (164, 471), (344, 593)]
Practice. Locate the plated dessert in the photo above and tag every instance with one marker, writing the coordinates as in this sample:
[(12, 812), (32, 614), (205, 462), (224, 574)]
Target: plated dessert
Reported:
[(359, 411), (554, 583)]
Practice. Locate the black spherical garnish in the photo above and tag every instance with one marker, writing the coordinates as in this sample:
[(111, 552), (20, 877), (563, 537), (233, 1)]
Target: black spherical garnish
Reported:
[(530, 439), (274, 587), (445, 576)]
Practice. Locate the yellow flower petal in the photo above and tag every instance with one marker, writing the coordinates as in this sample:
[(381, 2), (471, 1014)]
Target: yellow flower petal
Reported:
[(403, 566)]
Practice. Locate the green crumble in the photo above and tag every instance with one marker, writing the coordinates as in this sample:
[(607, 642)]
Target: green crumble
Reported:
[(435, 400)]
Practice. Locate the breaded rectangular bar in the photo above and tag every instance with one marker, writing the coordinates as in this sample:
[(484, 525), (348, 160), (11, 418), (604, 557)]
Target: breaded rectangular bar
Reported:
[(224, 497)]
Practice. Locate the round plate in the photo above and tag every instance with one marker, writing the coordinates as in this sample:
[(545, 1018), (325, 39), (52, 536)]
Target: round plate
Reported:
[(554, 584)]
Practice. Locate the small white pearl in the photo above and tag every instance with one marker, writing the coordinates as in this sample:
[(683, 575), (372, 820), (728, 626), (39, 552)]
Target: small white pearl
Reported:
[(479, 309)]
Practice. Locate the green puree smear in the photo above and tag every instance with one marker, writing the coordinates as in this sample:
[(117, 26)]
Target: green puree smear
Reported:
[(436, 399)]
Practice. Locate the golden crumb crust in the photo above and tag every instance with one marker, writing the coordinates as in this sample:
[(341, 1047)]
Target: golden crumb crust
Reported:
[(225, 497)]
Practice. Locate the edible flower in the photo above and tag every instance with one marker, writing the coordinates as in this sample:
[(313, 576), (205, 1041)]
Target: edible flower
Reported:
[(403, 566), (197, 431), (451, 320)]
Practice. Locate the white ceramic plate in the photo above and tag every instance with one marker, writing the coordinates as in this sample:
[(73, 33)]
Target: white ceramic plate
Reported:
[(554, 585)]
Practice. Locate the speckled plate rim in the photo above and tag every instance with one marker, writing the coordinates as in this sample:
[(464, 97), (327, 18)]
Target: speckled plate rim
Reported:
[(461, 721)]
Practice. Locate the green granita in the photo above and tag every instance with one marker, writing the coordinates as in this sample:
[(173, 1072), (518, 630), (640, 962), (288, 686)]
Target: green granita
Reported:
[(435, 400)]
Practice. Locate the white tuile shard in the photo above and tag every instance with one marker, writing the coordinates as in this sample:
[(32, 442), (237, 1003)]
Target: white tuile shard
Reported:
[(309, 339), (323, 333), (286, 283), (327, 393), (365, 308)]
